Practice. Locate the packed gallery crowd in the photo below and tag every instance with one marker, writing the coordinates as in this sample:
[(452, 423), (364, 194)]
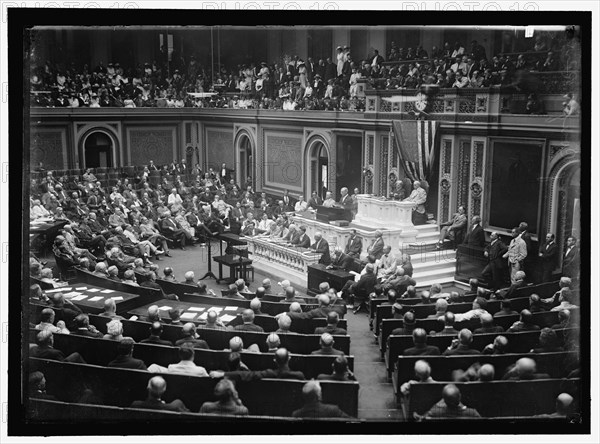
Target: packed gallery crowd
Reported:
[(293, 83)]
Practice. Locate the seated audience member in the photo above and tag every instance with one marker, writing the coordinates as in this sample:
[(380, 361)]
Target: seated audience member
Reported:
[(321, 311), (441, 306), (152, 314), (273, 342), (332, 321), (566, 301), (228, 402), (524, 369), (535, 303), (266, 284), (448, 325), (189, 278), (505, 309), (156, 330), (422, 373), (213, 322), (525, 323), (124, 357), (189, 336), (290, 296), (70, 310), (168, 274), (479, 309), (284, 322), (284, 285), (157, 387), (450, 406), (487, 325), (563, 407), (255, 306), (112, 273), (186, 364), (234, 363), (47, 321), (175, 316), (462, 345), (236, 344), (498, 347), (110, 309), (426, 299), (326, 342), (44, 349), (313, 407), (114, 330), (409, 324), (548, 342), (281, 360), (486, 373), (420, 345), (150, 282), (248, 323), (564, 320), (236, 289), (37, 387), (83, 327), (340, 371)]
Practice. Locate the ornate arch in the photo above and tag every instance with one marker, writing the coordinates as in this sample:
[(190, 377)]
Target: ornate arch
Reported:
[(240, 132), (311, 141), (108, 131)]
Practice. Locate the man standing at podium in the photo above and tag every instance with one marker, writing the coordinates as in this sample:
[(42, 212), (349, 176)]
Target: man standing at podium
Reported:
[(345, 199), (419, 197)]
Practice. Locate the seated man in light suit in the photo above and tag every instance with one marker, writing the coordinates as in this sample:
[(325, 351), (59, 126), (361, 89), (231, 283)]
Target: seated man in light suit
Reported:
[(329, 201), (452, 229), (419, 197)]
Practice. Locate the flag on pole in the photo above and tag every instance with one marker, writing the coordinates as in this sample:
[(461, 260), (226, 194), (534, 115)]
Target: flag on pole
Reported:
[(415, 145)]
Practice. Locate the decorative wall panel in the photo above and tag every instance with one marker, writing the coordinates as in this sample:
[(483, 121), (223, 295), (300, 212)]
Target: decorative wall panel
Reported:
[(283, 160), (50, 148), (219, 147), (147, 144)]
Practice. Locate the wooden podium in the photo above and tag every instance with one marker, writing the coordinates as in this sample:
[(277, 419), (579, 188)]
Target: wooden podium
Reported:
[(328, 214)]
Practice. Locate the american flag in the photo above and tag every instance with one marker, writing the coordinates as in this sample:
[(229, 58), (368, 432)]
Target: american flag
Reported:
[(415, 145)]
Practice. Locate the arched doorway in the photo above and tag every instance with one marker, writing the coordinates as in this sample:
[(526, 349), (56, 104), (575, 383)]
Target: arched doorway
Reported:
[(245, 162), (97, 150), (318, 169), (567, 215)]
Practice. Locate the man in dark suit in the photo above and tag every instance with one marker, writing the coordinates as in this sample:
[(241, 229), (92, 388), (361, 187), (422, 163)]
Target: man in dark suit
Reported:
[(124, 358), (332, 325), (281, 360), (313, 407), (326, 346), (548, 254), (44, 349), (475, 236), (154, 338), (83, 327), (171, 228), (157, 386), (341, 260), (302, 240), (421, 348), (248, 323), (287, 201), (376, 247), (462, 345), (363, 288), (570, 267), (315, 201), (495, 269), (354, 245), (321, 246), (189, 336)]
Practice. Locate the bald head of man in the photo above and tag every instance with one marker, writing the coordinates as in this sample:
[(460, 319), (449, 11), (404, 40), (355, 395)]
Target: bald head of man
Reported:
[(486, 320), (282, 357), (284, 322), (564, 404), (324, 300), (465, 336), (486, 372), (273, 341), (422, 370), (189, 329), (419, 336), (157, 386), (451, 395), (295, 307), (525, 368), (326, 340), (236, 344)]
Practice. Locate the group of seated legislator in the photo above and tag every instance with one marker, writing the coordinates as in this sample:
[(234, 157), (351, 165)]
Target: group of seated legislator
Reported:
[(190, 340), (561, 338)]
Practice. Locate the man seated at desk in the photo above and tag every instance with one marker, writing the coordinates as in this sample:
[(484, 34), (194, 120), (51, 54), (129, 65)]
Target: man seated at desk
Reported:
[(341, 261), (302, 240), (329, 200), (321, 246)]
